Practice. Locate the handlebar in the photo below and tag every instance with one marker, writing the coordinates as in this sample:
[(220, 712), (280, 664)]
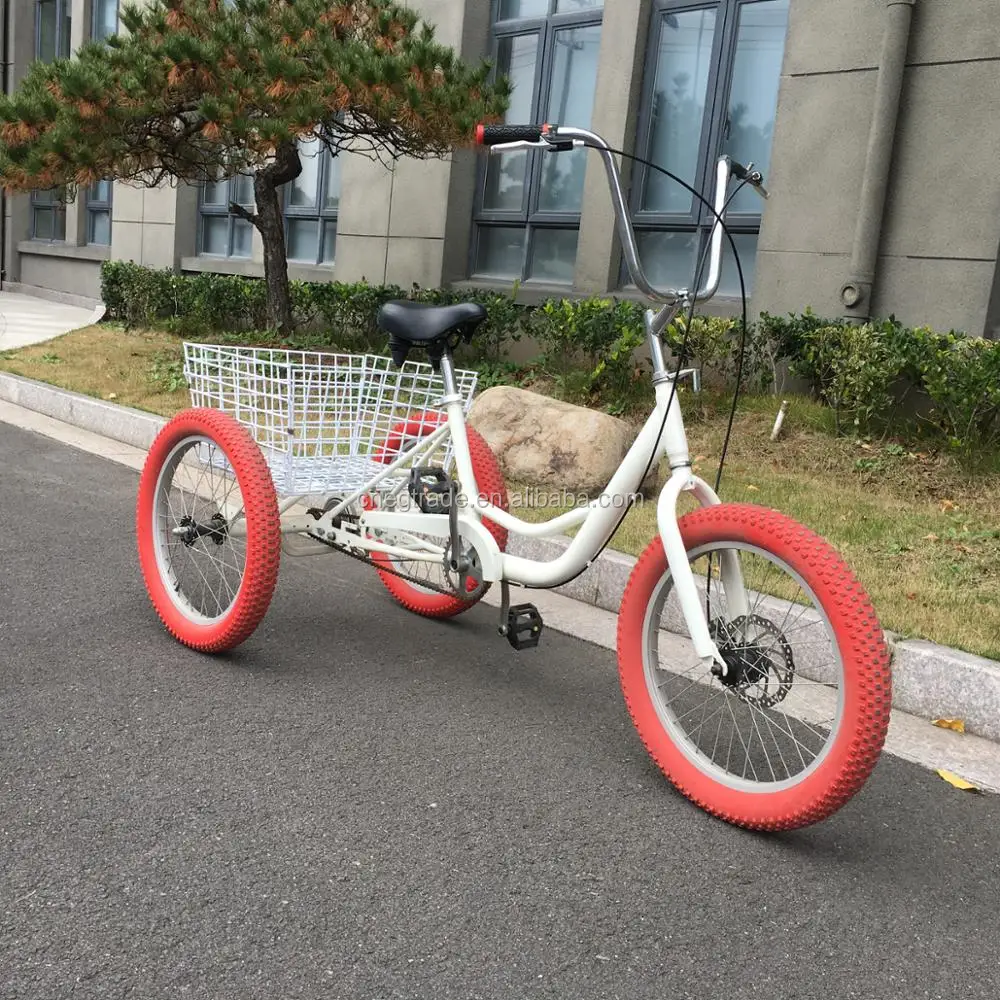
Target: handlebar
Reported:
[(490, 135), (499, 138)]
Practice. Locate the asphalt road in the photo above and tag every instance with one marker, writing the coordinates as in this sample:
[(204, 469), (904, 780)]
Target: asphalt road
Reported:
[(359, 803)]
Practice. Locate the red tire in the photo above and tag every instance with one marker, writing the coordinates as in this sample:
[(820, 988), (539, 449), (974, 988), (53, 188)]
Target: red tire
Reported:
[(165, 558), (491, 485), (849, 622)]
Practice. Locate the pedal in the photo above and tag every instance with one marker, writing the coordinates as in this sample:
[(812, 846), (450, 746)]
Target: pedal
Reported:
[(434, 497), (524, 626)]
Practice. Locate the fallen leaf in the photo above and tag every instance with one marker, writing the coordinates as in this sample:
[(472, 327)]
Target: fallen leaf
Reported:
[(911, 597), (867, 447), (930, 538), (754, 489), (960, 783), (957, 724), (699, 458), (947, 505)]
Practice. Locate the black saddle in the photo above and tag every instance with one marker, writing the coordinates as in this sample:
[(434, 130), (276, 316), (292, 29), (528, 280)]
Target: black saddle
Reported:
[(417, 324)]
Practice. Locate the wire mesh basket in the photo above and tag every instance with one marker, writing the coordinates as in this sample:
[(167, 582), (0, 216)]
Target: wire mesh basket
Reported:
[(322, 420)]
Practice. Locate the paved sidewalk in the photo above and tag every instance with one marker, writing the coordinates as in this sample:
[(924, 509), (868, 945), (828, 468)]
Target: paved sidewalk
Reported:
[(26, 320)]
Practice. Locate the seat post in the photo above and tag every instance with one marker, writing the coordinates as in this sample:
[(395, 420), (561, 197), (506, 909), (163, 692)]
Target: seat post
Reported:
[(452, 404), (451, 394)]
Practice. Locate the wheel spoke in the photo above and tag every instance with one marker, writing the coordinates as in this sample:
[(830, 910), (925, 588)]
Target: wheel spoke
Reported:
[(205, 574), (766, 651)]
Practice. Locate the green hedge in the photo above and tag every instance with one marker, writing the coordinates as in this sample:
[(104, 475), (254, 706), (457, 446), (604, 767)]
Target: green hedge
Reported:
[(327, 313), (589, 347), (866, 373)]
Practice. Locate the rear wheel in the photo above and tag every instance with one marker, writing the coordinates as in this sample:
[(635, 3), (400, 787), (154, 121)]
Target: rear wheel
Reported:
[(208, 530), (796, 725), (426, 600)]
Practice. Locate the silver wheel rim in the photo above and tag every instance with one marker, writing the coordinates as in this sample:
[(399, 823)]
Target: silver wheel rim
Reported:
[(203, 580), (802, 728)]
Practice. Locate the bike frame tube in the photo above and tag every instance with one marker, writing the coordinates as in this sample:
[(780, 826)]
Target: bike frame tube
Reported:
[(601, 518), (598, 520)]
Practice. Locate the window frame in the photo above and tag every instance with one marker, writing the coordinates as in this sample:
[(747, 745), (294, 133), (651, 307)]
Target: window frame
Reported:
[(529, 217), (223, 211), (698, 221), (97, 207), (64, 18), (52, 201), (317, 212), (95, 6)]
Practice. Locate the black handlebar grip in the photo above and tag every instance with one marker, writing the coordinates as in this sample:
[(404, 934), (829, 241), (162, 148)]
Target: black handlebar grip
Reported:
[(492, 135)]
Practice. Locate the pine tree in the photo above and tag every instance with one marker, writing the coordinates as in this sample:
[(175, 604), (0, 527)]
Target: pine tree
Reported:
[(201, 89)]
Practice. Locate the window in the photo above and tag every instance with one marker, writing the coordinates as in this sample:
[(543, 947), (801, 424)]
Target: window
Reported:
[(528, 217), (99, 213), (52, 29), (311, 204), (220, 233), (48, 216), (104, 19), (711, 87)]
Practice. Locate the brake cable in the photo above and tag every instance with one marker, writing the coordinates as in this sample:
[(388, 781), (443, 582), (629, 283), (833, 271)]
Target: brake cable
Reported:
[(683, 349)]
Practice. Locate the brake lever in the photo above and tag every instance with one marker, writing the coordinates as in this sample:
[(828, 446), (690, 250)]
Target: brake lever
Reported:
[(551, 145), (757, 183), (504, 147), (752, 177)]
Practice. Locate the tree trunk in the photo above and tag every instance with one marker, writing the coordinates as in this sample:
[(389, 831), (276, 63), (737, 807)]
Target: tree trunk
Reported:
[(271, 224)]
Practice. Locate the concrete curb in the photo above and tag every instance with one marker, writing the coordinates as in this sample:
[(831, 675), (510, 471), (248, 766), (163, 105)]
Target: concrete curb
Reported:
[(929, 681), (120, 423)]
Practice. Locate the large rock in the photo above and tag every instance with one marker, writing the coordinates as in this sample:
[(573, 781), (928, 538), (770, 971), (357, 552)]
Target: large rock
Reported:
[(545, 442)]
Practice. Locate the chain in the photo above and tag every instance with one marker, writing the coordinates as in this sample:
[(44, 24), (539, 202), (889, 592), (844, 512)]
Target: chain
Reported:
[(379, 566), (383, 568)]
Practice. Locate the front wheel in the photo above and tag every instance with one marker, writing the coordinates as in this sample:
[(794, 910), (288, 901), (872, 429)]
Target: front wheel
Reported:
[(797, 723), (208, 530)]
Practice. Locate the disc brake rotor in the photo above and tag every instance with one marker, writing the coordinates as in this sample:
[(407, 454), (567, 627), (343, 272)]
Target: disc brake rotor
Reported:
[(760, 666)]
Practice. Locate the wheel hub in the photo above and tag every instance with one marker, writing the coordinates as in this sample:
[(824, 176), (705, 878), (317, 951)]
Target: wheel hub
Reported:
[(758, 658), (216, 529)]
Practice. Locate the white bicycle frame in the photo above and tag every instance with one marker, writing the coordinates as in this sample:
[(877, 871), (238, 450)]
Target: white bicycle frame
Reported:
[(663, 434)]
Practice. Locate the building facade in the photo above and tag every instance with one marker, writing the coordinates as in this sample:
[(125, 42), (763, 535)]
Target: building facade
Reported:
[(873, 122)]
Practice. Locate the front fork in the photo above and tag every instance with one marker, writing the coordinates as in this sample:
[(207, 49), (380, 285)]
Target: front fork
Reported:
[(683, 480)]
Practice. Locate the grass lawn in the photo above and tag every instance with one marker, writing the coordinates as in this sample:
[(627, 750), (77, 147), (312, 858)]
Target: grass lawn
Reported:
[(921, 530), (135, 369)]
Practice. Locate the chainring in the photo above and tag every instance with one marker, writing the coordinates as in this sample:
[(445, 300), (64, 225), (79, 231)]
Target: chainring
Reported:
[(474, 573)]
